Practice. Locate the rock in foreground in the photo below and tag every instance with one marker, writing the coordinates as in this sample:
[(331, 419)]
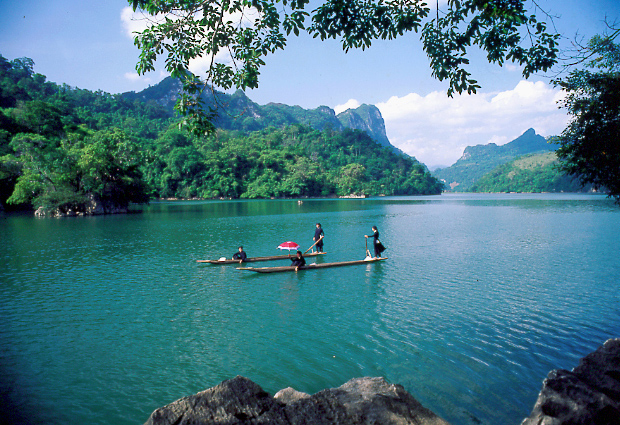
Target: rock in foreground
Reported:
[(241, 401), (590, 394)]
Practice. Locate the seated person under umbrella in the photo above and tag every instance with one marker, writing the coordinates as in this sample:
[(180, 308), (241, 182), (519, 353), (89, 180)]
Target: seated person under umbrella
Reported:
[(298, 260)]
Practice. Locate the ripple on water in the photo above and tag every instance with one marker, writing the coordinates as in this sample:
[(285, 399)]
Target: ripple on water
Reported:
[(478, 301)]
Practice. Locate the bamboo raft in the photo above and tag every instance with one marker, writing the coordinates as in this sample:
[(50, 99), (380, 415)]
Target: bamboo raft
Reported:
[(254, 259), (310, 266)]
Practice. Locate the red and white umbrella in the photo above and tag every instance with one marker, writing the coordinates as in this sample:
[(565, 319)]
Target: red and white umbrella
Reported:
[(291, 246)]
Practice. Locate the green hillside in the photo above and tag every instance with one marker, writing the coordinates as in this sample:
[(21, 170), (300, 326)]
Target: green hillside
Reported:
[(481, 159), (237, 112), (529, 173), (63, 148)]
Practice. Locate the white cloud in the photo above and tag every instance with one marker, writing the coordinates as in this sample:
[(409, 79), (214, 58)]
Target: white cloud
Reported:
[(201, 65), (350, 104), (436, 129), (135, 77)]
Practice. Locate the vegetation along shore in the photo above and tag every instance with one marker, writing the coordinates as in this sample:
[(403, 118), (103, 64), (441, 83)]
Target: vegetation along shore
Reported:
[(66, 150)]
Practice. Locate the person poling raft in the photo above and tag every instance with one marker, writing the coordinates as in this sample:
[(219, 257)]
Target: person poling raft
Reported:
[(319, 235), (377, 245), (300, 264)]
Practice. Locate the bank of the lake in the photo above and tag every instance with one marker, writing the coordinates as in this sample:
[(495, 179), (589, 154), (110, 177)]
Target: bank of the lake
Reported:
[(106, 318)]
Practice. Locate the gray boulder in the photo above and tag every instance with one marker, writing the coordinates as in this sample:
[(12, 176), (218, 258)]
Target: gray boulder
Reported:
[(589, 394), (241, 401)]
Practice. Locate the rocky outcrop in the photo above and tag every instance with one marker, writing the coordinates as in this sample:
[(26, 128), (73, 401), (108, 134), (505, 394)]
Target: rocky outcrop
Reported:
[(238, 112), (366, 118), (241, 401), (91, 206), (589, 394)]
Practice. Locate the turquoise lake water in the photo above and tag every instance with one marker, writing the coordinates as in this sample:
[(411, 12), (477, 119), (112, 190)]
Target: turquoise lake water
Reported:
[(104, 319)]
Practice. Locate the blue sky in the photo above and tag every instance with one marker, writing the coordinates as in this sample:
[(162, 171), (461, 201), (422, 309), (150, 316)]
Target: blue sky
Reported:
[(88, 44)]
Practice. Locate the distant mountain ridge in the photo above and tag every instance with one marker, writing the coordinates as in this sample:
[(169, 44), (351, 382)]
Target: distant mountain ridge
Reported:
[(478, 160), (239, 112)]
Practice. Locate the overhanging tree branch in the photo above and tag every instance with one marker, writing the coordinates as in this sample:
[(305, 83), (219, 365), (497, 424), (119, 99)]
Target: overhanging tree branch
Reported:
[(590, 145), (504, 29)]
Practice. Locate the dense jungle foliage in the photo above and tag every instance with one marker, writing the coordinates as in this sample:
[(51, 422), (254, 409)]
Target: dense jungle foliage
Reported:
[(63, 147), (530, 173)]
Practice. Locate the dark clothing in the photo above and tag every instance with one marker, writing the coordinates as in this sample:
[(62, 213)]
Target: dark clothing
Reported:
[(298, 262), (241, 255), (379, 248), (317, 235)]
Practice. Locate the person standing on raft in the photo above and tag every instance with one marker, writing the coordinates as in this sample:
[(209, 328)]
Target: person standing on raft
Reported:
[(379, 248), (318, 237)]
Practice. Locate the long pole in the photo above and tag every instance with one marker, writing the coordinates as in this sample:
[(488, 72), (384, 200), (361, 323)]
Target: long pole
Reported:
[(314, 244)]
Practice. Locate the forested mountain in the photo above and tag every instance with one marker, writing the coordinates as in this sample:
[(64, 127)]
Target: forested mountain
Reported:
[(480, 159), (66, 149), (289, 162), (238, 112), (529, 173)]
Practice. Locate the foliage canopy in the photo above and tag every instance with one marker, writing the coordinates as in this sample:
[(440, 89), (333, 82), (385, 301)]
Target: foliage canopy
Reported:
[(590, 144), (237, 36)]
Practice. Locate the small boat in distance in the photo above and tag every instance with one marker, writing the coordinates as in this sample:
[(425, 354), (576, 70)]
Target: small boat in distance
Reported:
[(310, 266), (253, 259)]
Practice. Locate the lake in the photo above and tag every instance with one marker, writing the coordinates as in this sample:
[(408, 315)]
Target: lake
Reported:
[(104, 319)]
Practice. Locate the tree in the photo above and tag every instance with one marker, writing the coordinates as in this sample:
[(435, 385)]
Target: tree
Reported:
[(109, 169), (590, 145), (40, 117), (67, 175), (352, 179), (238, 34), (47, 176)]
